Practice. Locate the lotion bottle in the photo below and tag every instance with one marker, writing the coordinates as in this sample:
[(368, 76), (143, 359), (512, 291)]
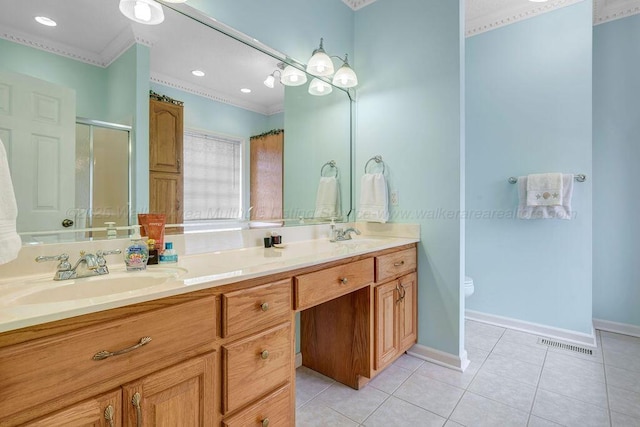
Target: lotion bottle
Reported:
[(137, 254)]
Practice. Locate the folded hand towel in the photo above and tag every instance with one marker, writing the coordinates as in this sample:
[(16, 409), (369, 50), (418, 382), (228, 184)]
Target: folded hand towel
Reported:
[(328, 198), (525, 211), (9, 240), (374, 204), (544, 189)]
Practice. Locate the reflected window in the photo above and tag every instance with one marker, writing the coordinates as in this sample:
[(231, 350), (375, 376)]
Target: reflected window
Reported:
[(212, 177)]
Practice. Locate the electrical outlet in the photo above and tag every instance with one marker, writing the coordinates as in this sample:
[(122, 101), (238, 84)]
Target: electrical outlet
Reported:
[(394, 198)]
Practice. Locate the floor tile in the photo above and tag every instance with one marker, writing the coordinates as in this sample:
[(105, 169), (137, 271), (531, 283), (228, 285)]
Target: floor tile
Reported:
[(475, 410), (578, 385), (576, 366), (451, 423), (447, 375), (432, 395), (522, 338), (504, 390), (316, 414), (478, 328), (611, 338), (622, 359), (309, 384), (483, 342), (621, 420), (398, 413), (624, 401), (511, 368), (410, 363), (623, 378), (354, 404), (567, 411), (390, 379), (541, 422), (522, 352)]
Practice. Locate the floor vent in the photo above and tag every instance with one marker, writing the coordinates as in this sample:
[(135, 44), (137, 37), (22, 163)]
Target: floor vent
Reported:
[(569, 347)]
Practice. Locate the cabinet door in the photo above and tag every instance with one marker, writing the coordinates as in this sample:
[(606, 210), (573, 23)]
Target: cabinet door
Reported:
[(165, 195), (181, 395), (408, 311), (165, 137), (386, 331), (100, 411)]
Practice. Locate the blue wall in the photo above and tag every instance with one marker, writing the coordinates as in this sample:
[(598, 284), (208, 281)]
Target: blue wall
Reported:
[(616, 152), (408, 59), (529, 111)]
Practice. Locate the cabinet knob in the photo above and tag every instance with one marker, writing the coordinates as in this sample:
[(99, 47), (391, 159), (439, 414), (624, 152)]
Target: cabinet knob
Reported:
[(344, 280), (265, 422), (398, 264), (264, 355), (264, 306)]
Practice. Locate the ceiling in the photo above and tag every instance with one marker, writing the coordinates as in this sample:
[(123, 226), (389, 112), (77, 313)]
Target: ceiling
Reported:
[(95, 32)]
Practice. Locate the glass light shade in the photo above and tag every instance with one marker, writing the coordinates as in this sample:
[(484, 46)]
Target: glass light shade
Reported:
[(318, 87), (270, 81), (345, 77), (175, 1), (291, 76), (143, 11)]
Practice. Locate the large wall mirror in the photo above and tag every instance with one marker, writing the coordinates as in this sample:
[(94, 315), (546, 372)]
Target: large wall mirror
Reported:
[(74, 119)]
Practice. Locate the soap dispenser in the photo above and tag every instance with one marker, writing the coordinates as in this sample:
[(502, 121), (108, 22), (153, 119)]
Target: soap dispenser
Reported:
[(137, 254)]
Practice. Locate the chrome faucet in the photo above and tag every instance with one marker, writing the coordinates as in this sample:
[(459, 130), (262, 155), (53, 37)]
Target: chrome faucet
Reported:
[(339, 234), (88, 265)]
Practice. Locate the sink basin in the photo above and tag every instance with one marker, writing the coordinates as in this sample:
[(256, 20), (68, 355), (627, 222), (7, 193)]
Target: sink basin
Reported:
[(47, 291), (364, 241)]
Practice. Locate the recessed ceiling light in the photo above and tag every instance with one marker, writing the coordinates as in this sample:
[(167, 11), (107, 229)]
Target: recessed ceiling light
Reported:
[(245, 90), (46, 21), (198, 73)]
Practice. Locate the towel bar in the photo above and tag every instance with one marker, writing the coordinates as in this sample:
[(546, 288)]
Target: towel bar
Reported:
[(331, 164), (579, 177), (377, 159)]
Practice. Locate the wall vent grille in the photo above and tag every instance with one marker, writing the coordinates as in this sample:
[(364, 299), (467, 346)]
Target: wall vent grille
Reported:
[(569, 347)]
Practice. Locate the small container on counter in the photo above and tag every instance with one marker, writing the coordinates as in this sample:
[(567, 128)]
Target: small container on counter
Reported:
[(153, 252), (169, 255)]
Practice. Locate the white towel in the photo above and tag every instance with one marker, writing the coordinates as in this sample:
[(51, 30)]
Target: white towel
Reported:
[(374, 201), (328, 198), (9, 240), (542, 212), (544, 189)]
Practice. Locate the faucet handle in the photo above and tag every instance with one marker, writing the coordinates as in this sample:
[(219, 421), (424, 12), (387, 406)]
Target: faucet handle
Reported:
[(63, 258)]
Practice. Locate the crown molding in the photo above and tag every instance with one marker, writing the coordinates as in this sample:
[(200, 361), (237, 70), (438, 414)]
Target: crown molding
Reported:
[(610, 10), (214, 95), (357, 4)]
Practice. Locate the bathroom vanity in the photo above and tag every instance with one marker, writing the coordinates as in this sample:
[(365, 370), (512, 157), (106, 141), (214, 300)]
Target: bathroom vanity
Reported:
[(215, 346)]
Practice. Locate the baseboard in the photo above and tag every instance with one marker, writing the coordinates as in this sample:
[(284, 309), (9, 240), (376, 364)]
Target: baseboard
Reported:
[(534, 328), (298, 360), (448, 360), (618, 328)]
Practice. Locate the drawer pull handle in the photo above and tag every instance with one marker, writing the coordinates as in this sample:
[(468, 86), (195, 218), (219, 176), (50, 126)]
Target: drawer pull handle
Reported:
[(264, 306), (264, 355), (398, 264), (108, 415), (265, 422), (101, 355), (344, 280), (135, 401)]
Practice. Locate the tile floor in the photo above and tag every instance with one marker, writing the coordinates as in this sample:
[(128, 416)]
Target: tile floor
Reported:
[(511, 381)]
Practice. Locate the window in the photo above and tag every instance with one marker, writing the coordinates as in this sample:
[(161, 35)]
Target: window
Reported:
[(212, 177)]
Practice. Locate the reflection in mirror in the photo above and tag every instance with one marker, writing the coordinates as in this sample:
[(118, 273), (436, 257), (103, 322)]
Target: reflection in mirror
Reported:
[(99, 65)]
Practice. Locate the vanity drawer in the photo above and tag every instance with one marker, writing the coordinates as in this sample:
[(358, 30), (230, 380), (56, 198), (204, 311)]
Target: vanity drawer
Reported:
[(34, 371), (253, 366), (320, 286), (273, 410), (395, 264), (260, 306)]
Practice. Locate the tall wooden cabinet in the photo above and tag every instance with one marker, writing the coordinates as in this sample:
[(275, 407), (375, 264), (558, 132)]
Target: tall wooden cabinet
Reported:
[(166, 184)]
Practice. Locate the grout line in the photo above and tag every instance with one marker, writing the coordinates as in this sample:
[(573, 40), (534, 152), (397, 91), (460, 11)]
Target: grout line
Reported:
[(606, 384), (535, 395)]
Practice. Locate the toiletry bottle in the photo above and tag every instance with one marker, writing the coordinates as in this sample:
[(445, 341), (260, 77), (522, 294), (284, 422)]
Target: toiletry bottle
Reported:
[(153, 252), (137, 254), (169, 254)]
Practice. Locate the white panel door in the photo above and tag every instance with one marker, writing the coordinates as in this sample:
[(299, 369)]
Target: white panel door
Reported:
[(37, 125)]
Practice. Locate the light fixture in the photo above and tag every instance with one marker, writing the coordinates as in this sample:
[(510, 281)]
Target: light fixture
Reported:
[(143, 11), (270, 81), (345, 76), (198, 73), (319, 87), (175, 1), (291, 76), (320, 63), (46, 21), (245, 90)]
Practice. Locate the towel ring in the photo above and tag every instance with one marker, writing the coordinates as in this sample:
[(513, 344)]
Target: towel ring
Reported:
[(331, 164), (377, 159)]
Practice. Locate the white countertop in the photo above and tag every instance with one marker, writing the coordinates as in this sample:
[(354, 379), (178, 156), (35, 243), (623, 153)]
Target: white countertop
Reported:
[(194, 272)]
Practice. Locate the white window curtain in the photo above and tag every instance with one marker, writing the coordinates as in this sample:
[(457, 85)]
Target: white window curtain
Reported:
[(212, 177)]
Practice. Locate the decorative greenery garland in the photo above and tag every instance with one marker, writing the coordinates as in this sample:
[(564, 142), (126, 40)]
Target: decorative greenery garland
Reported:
[(271, 132), (164, 98)]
